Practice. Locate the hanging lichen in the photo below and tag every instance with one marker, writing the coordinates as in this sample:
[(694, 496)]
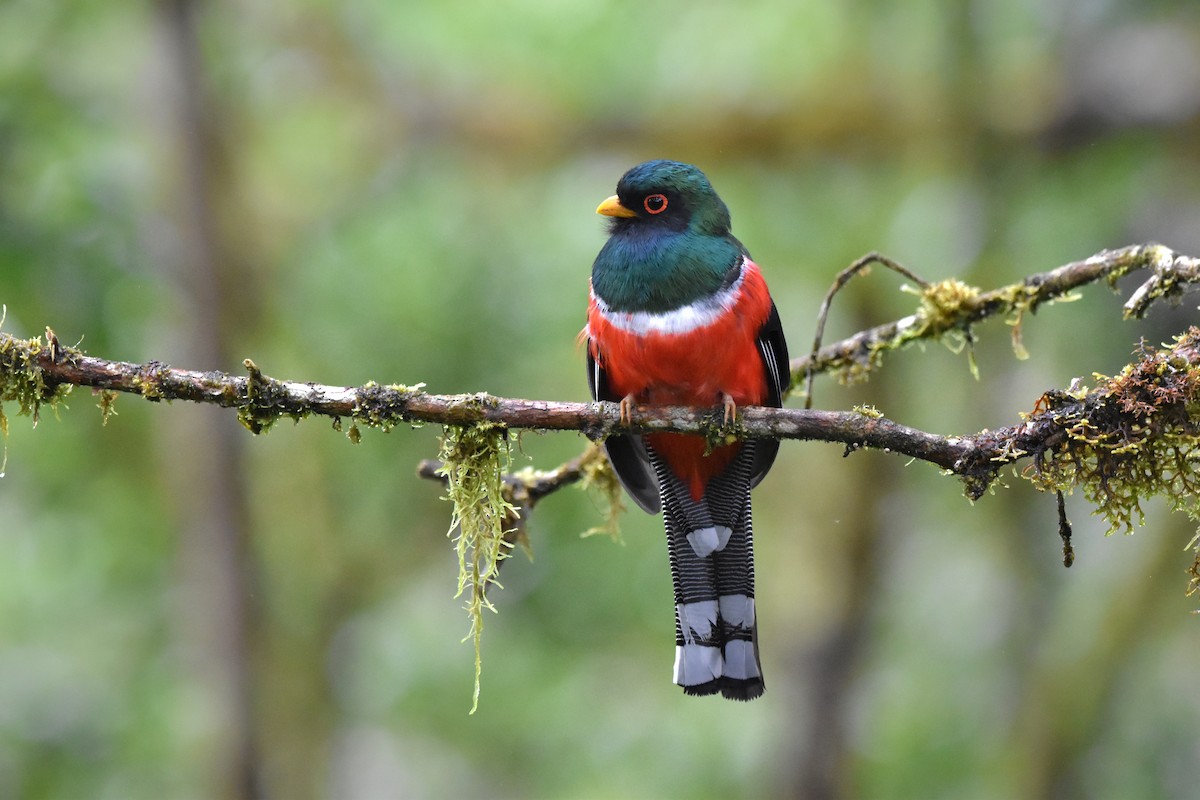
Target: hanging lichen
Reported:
[(598, 475), (474, 460)]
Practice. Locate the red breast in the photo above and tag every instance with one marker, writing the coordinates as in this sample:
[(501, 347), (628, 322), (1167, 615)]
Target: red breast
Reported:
[(692, 367)]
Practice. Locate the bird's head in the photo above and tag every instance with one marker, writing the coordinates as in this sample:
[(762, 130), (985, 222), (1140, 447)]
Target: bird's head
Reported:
[(669, 242), (667, 196)]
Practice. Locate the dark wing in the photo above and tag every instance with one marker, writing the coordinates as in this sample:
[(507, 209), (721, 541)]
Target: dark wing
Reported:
[(627, 454), (773, 348)]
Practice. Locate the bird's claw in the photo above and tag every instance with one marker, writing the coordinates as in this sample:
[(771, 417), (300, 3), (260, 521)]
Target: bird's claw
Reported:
[(730, 408), (626, 405)]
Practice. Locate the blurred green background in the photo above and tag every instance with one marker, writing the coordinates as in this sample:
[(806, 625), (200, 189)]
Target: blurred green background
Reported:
[(404, 192)]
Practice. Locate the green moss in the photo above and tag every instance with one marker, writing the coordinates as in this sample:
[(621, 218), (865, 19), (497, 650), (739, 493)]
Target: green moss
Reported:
[(1155, 257), (1018, 344), (264, 397), (1132, 437), (945, 312), (599, 478), (1021, 298), (383, 407), (871, 412), (22, 381), (1194, 570), (719, 433), (107, 405), (475, 458), (947, 303), (149, 381)]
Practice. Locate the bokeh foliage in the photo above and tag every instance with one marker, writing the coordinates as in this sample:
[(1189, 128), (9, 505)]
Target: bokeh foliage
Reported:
[(403, 192)]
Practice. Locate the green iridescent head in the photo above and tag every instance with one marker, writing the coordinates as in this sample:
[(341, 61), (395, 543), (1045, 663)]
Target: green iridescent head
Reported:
[(669, 242)]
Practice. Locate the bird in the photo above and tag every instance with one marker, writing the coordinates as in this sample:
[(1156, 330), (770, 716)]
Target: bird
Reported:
[(679, 314)]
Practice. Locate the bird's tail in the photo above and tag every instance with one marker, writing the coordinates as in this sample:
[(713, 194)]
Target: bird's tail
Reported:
[(710, 542)]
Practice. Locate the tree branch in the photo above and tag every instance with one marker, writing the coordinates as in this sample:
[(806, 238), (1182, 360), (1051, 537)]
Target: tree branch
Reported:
[(950, 305), (32, 372), (1131, 437), (261, 400)]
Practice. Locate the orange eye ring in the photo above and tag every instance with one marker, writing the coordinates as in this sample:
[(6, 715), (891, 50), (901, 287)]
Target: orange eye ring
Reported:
[(655, 203)]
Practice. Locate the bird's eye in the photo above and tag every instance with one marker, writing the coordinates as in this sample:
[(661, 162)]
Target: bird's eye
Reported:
[(655, 203)]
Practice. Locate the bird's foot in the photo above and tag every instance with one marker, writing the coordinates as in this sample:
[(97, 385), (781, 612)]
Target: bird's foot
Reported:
[(626, 408), (730, 408)]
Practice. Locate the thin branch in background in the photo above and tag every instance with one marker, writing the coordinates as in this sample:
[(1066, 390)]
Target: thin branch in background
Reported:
[(840, 281)]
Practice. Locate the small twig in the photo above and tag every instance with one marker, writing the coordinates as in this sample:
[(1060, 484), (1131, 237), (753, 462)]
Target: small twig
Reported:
[(1064, 531), (526, 487), (841, 280)]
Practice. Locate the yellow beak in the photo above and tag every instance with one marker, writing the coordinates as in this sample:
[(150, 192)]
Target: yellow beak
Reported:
[(612, 208)]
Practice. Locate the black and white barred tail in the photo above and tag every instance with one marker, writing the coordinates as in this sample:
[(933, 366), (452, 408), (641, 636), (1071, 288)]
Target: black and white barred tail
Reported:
[(711, 548)]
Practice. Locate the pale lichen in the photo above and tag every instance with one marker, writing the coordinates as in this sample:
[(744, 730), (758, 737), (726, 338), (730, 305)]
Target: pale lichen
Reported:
[(599, 478), (474, 460)]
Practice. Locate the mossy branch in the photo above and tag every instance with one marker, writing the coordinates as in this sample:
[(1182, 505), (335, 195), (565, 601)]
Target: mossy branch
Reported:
[(951, 306), (261, 400), (33, 372), (1128, 438)]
